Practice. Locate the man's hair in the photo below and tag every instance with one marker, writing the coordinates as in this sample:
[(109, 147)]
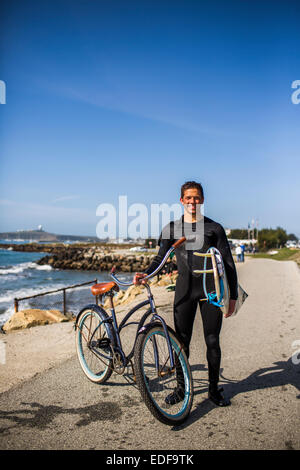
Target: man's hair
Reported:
[(190, 185)]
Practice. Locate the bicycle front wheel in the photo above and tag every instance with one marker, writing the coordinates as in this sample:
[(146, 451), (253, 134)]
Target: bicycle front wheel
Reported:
[(167, 391), (93, 346)]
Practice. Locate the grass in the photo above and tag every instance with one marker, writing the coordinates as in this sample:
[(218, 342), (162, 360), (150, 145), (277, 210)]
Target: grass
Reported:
[(284, 254)]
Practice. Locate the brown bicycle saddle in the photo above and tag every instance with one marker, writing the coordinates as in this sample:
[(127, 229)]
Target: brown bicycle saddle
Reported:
[(103, 287)]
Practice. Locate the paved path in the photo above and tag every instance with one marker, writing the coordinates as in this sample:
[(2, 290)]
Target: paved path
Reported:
[(61, 409)]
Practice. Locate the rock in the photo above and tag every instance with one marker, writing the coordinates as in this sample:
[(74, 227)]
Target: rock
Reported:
[(132, 291), (125, 297), (126, 268), (33, 317), (118, 297), (165, 281)]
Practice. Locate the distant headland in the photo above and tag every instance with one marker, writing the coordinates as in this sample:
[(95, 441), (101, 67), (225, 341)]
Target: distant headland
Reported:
[(40, 235)]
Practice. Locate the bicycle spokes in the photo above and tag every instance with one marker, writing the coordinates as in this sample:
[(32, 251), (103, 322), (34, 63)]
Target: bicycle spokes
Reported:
[(159, 379), (93, 347)]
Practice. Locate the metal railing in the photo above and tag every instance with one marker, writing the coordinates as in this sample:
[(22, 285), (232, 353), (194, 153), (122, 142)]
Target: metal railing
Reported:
[(56, 291)]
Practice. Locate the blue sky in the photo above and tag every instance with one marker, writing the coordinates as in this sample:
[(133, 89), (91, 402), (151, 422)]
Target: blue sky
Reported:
[(109, 98)]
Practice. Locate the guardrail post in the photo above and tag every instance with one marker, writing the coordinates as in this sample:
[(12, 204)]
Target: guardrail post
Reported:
[(16, 301), (64, 297)]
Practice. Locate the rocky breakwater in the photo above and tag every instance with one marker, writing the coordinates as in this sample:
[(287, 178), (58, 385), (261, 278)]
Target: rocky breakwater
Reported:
[(30, 247), (95, 258)]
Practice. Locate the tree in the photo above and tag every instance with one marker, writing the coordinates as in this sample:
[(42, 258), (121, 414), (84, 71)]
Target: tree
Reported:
[(239, 233), (292, 237), (271, 238)]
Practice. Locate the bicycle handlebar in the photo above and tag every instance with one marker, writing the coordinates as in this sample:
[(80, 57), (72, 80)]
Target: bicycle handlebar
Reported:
[(179, 242), (173, 247)]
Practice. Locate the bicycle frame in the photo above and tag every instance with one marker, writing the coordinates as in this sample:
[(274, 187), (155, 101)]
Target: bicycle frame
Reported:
[(116, 339), (152, 309), (114, 330)]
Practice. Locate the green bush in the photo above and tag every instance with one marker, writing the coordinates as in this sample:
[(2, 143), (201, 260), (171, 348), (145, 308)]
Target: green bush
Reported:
[(271, 238)]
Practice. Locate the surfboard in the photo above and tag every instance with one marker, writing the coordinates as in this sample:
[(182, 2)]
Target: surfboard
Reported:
[(221, 283), (242, 296), (222, 290)]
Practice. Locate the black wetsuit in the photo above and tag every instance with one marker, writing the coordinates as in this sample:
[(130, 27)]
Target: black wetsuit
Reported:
[(189, 288)]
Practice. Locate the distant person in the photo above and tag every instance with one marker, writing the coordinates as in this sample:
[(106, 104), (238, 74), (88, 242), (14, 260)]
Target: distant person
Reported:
[(189, 286), (243, 252), (238, 252)]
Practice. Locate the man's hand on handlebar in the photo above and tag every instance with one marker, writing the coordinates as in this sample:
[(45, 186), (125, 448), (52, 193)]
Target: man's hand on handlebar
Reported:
[(138, 279)]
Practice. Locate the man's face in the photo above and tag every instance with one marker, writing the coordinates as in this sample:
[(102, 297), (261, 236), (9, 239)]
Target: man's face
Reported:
[(191, 198)]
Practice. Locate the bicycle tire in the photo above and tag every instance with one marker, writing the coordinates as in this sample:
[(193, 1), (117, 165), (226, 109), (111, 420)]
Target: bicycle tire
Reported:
[(100, 368), (155, 387)]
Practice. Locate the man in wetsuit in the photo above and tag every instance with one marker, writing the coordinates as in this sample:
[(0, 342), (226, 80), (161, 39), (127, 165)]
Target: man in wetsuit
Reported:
[(189, 286)]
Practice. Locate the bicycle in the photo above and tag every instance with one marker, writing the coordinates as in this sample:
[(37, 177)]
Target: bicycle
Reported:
[(159, 364)]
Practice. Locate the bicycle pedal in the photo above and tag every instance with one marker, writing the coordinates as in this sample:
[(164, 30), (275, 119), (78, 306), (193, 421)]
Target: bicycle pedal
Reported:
[(103, 343)]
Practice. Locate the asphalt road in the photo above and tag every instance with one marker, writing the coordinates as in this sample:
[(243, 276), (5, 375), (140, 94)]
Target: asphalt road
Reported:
[(61, 409)]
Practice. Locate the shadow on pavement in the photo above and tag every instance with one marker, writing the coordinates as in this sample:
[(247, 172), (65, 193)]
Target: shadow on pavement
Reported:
[(40, 416), (281, 373)]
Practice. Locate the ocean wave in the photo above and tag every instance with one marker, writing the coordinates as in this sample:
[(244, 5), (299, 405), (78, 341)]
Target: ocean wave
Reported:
[(42, 267), (20, 268), (6, 315), (10, 295), (48, 301)]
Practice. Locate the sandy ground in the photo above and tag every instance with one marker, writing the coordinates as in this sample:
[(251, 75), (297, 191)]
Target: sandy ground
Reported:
[(260, 372)]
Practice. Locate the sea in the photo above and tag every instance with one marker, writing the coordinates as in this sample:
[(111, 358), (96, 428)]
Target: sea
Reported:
[(20, 277)]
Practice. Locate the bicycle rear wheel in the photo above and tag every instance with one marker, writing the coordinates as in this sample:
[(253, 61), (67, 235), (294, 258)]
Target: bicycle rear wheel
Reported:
[(157, 379), (93, 346)]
